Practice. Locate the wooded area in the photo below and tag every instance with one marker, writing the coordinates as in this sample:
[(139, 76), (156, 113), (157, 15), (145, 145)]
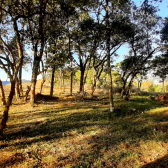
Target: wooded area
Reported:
[(73, 45)]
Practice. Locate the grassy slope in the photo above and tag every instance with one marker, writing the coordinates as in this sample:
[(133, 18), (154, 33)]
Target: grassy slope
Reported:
[(62, 133)]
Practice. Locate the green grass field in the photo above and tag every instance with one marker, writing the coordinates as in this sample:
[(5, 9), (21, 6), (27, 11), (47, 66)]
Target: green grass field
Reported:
[(63, 133)]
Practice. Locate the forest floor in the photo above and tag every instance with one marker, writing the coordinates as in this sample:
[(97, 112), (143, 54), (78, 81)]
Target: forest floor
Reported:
[(63, 133)]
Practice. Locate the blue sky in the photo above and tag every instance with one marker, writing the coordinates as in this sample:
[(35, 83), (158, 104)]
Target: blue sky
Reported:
[(122, 51)]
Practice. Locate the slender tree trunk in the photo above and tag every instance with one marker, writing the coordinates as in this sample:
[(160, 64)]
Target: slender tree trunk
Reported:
[(6, 108), (129, 88), (108, 58), (70, 55), (139, 86), (52, 81), (81, 81), (3, 94), (42, 83), (71, 86), (110, 85), (60, 78), (27, 92), (17, 91), (123, 90), (34, 80), (37, 57), (96, 77), (94, 83), (85, 77), (20, 81), (63, 80), (93, 88)]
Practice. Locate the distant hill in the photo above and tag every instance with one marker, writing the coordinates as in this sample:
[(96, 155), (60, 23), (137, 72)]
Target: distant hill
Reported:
[(24, 80), (5, 82)]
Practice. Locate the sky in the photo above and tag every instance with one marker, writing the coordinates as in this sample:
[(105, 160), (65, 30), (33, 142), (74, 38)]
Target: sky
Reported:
[(163, 13), (121, 52)]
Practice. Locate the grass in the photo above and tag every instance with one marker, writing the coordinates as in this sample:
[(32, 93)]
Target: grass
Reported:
[(63, 133)]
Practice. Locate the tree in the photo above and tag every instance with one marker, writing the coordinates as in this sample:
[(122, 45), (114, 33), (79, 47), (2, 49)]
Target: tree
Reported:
[(141, 45), (117, 26), (10, 60), (160, 67)]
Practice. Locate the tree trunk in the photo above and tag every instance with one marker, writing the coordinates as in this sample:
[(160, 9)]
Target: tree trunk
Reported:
[(129, 88), (123, 90), (42, 83), (93, 88), (3, 94), (81, 81), (43, 79), (71, 86), (85, 77), (27, 92), (96, 77), (34, 79), (108, 58), (20, 81), (52, 81), (6, 108), (110, 85), (139, 86), (17, 91), (60, 78), (94, 83), (63, 81)]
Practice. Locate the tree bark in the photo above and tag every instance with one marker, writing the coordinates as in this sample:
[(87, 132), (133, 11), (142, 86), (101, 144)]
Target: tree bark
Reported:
[(71, 85), (123, 90), (17, 91), (3, 94), (81, 81), (52, 81), (63, 80), (43, 77), (6, 108), (42, 83), (20, 81), (37, 57), (129, 88), (139, 86), (94, 82), (108, 58), (60, 78), (27, 92), (34, 79)]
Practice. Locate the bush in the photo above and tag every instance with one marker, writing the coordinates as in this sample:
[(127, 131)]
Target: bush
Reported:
[(158, 88), (151, 88)]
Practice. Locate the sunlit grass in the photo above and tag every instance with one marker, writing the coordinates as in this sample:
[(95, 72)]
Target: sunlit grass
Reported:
[(64, 133)]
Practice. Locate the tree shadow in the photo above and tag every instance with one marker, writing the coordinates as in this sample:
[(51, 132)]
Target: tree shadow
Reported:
[(159, 163), (10, 160), (119, 128)]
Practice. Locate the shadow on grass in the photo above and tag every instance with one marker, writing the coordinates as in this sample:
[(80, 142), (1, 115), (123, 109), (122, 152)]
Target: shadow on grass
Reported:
[(116, 128), (10, 160), (136, 106), (160, 163)]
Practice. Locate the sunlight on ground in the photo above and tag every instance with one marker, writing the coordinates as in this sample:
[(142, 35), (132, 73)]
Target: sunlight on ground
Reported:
[(64, 133)]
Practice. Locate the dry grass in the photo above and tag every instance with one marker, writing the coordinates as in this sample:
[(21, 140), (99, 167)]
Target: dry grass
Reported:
[(63, 133)]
